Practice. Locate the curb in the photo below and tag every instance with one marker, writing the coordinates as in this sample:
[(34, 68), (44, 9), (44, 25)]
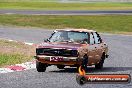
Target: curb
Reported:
[(22, 66), (18, 67)]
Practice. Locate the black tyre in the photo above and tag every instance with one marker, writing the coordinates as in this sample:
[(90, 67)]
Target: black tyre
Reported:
[(85, 62), (78, 67), (100, 64), (40, 66), (60, 66)]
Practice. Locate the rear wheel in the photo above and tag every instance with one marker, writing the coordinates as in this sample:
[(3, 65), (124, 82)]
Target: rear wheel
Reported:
[(60, 66), (40, 66), (100, 64)]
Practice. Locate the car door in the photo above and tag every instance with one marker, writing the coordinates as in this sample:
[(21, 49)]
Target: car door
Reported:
[(98, 46), (92, 50)]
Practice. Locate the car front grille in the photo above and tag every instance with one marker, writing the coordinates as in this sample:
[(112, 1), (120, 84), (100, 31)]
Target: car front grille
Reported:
[(57, 52)]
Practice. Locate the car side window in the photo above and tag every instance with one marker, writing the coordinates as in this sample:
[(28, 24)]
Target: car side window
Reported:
[(91, 38), (97, 38)]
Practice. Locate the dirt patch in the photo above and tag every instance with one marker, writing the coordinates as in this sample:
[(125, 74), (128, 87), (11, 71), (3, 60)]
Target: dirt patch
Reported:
[(16, 47), (15, 52)]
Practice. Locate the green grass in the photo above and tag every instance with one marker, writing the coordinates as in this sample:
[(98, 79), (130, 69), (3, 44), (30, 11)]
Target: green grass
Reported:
[(15, 52), (65, 6), (101, 23), (10, 59), (27, 0)]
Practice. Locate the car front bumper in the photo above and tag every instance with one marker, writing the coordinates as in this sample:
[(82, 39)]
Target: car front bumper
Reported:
[(65, 61)]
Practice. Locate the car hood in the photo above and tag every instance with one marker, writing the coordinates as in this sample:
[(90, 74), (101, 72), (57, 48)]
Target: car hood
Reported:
[(73, 46)]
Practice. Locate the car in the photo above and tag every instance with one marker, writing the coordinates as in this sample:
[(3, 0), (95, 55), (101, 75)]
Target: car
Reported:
[(71, 47)]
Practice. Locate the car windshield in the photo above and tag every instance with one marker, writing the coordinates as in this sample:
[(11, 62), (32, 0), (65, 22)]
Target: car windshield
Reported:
[(69, 36)]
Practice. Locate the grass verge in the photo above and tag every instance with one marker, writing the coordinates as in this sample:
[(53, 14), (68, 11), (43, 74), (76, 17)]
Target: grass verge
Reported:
[(14, 53), (65, 6), (101, 23)]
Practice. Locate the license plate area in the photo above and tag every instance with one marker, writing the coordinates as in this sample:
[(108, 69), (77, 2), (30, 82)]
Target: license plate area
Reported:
[(56, 59)]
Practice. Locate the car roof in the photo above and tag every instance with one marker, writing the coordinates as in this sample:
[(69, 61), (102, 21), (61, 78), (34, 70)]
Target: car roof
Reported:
[(78, 30)]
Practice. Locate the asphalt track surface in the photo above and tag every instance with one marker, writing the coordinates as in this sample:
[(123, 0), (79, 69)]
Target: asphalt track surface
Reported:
[(70, 12), (119, 62)]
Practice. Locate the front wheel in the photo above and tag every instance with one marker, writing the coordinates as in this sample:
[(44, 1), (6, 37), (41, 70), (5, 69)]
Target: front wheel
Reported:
[(84, 62), (40, 66)]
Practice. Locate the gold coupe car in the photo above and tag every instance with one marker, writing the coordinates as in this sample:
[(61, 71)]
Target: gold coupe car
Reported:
[(71, 47)]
